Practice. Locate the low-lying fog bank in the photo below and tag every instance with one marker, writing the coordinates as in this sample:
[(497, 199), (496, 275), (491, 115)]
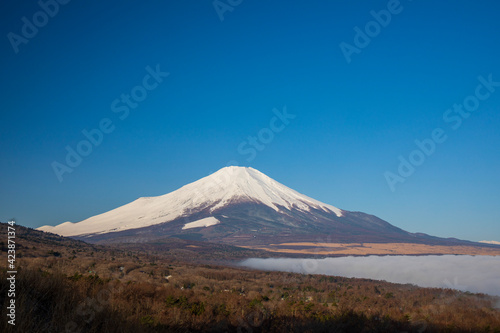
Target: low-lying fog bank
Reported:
[(478, 274)]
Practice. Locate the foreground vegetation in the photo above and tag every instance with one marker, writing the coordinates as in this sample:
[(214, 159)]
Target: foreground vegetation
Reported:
[(69, 286)]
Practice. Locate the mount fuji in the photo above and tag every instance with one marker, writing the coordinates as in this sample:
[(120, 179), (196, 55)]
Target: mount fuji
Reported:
[(237, 206)]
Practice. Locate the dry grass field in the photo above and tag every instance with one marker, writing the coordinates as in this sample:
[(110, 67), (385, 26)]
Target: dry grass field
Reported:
[(374, 249), (70, 286)]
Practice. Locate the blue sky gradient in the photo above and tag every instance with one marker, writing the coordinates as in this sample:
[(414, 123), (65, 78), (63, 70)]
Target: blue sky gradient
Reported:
[(352, 120)]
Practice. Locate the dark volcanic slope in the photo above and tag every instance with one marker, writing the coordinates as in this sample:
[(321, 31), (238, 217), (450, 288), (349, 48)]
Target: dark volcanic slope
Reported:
[(246, 224)]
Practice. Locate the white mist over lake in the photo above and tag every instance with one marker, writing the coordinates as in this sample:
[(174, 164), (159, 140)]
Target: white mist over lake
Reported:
[(477, 274)]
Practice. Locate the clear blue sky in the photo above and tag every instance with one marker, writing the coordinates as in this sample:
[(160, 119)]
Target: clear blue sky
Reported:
[(353, 120)]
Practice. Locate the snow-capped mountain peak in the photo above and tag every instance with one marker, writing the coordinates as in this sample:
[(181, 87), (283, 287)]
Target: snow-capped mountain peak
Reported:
[(228, 185), (233, 182)]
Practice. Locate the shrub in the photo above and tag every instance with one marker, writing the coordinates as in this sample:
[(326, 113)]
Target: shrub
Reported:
[(181, 302), (147, 320), (54, 253), (255, 303), (75, 277), (197, 308)]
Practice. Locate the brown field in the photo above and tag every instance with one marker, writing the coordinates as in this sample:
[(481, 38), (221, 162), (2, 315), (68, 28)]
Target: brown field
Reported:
[(65, 285), (375, 249)]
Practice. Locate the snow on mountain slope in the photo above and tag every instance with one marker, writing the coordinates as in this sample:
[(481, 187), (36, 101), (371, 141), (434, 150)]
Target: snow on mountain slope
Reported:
[(490, 242), (230, 184), (206, 222)]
